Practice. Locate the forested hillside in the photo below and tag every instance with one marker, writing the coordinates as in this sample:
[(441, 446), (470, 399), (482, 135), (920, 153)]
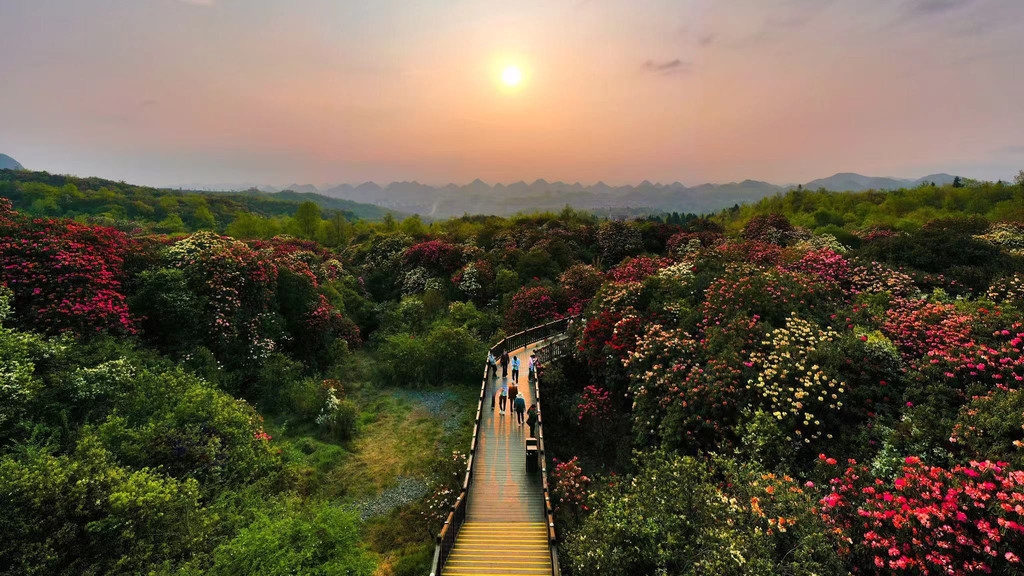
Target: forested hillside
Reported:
[(747, 395), (125, 206)]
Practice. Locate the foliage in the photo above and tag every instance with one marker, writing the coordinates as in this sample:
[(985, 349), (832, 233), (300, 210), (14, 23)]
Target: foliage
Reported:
[(672, 517)]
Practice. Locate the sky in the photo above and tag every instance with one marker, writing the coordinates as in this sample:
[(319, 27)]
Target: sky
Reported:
[(184, 92)]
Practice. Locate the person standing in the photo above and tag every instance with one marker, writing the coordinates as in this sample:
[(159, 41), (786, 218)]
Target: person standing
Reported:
[(503, 399), (531, 420), (504, 364), (492, 365), (520, 408), (532, 367), (515, 369), (513, 393)]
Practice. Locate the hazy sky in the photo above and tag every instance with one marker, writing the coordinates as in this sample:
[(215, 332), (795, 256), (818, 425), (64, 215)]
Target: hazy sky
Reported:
[(278, 91)]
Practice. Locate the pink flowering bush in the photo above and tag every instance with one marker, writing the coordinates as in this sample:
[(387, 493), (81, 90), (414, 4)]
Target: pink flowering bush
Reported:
[(437, 256), (530, 307), (636, 269), (594, 407), (569, 488), (928, 520)]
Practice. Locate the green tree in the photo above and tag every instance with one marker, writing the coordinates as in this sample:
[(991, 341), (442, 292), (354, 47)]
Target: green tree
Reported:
[(307, 219)]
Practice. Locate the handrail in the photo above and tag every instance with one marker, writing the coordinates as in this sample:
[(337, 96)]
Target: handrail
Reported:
[(457, 516)]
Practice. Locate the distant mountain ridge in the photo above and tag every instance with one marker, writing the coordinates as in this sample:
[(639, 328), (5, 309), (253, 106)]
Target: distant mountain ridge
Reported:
[(8, 163), (479, 197)]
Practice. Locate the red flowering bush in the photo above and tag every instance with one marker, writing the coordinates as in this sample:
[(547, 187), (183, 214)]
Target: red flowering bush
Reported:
[(437, 256), (65, 276), (636, 269), (928, 520), (530, 307)]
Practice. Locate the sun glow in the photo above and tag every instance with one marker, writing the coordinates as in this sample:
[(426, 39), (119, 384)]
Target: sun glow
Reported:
[(511, 76)]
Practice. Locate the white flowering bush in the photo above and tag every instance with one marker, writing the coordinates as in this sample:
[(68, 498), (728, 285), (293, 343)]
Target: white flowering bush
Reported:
[(104, 380), (337, 417), (469, 283), (1008, 236), (796, 390), (821, 241), (1009, 290), (415, 281)]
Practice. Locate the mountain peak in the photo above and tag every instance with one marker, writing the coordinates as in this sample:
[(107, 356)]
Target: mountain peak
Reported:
[(8, 163)]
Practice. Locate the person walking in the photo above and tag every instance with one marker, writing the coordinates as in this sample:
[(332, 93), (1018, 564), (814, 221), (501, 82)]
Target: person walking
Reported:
[(492, 365), (513, 393), (503, 399), (532, 367), (531, 420), (515, 369), (504, 364), (520, 409)]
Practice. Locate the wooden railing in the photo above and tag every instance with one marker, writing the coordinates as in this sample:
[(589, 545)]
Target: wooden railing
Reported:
[(457, 516)]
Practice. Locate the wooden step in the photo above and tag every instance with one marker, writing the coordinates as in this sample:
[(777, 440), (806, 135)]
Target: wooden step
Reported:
[(500, 548)]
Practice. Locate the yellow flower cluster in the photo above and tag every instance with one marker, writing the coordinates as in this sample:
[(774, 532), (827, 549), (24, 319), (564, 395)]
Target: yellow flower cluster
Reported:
[(797, 390)]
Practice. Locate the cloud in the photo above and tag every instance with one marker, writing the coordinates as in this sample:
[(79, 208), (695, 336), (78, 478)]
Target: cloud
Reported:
[(668, 67), (706, 39), (917, 8)]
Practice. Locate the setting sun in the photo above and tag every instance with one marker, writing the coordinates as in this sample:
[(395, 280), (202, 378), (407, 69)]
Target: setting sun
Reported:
[(511, 76)]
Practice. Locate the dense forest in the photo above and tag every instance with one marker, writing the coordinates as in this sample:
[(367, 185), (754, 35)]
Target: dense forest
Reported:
[(819, 383)]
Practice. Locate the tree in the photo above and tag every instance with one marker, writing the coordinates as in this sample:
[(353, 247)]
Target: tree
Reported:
[(1019, 179), (307, 219), (957, 183)]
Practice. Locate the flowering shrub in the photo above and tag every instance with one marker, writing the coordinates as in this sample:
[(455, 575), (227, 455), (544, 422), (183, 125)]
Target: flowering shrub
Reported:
[(873, 278), (797, 391), (1009, 290), (920, 328), (992, 427), (530, 307), (437, 256), (415, 281), (446, 480), (338, 416), (580, 283), (754, 252), (569, 487), (928, 520), (687, 402), (636, 269), (769, 228), (618, 239), (822, 242), (765, 295), (678, 515), (594, 406), (1008, 236), (65, 276), (826, 265)]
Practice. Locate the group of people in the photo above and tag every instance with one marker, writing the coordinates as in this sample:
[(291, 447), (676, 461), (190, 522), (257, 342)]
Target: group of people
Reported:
[(508, 395)]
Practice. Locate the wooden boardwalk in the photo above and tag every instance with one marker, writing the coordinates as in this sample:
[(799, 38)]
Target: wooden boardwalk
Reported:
[(505, 530)]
